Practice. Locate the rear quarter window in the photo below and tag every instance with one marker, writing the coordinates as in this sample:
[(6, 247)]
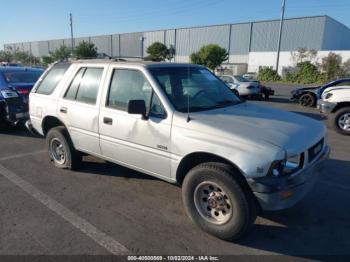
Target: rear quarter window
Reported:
[(52, 78)]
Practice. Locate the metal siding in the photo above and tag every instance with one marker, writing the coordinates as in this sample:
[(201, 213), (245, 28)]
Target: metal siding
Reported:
[(152, 37), (55, 44), (303, 32), (115, 45), (209, 35), (170, 37), (240, 38), (68, 42), (81, 39), (36, 49), (130, 45), (264, 36), (43, 48), (103, 44), (336, 36), (182, 42)]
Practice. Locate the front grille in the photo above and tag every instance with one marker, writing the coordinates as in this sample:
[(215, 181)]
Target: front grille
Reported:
[(315, 150)]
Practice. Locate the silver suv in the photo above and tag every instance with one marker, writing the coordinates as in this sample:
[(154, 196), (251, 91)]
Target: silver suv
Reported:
[(182, 124)]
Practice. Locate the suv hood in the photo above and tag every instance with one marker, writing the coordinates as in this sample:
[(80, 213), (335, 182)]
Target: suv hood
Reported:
[(335, 88), (290, 131)]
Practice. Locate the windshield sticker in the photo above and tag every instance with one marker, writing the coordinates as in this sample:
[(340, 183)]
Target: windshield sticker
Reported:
[(208, 75)]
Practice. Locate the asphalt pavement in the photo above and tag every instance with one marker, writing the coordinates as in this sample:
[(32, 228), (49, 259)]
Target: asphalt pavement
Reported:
[(108, 209)]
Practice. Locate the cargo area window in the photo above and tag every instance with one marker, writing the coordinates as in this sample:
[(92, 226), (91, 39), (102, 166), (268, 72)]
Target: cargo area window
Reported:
[(52, 78)]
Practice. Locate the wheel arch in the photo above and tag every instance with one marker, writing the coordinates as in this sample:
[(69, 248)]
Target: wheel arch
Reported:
[(50, 122), (340, 105), (193, 159)]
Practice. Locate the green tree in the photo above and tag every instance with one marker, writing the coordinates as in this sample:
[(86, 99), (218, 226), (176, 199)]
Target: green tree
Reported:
[(306, 73), (210, 56), (61, 54), (268, 75), (157, 52), (5, 56), (25, 58), (332, 66), (85, 50), (346, 67)]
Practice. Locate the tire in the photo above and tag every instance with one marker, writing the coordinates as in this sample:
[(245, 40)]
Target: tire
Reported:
[(65, 157), (342, 116), (231, 196), (4, 123), (307, 100)]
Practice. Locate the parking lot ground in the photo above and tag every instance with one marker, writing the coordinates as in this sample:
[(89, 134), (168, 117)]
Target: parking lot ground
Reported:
[(104, 207)]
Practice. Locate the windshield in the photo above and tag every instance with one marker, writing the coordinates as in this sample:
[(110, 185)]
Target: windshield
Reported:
[(193, 89), (241, 79), (22, 76)]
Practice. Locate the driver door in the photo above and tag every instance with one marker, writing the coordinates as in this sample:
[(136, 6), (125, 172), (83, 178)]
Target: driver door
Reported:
[(128, 139)]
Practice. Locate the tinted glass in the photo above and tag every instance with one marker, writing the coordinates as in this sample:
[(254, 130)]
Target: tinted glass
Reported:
[(22, 77), (128, 85), (241, 79), (73, 87), (88, 88), (51, 79), (197, 87), (227, 79), (157, 108)]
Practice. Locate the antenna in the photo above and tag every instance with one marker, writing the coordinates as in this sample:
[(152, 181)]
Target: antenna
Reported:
[(188, 77)]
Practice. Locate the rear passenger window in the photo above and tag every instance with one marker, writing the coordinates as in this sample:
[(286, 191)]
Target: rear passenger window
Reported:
[(52, 78), (84, 87)]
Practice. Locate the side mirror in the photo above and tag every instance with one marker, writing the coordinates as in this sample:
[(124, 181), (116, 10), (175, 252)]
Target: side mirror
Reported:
[(137, 107)]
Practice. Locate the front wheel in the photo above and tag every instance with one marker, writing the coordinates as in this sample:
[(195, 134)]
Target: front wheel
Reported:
[(61, 149), (217, 202), (342, 121), (307, 100)]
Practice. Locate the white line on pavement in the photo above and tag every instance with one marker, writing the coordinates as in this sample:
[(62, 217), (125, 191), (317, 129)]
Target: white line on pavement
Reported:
[(22, 155), (84, 226)]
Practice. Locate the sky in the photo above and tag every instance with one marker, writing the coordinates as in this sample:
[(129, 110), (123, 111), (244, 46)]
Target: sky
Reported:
[(32, 20)]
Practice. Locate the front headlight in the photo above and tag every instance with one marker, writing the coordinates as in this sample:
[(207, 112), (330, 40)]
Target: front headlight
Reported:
[(8, 93), (293, 164), (287, 166), (328, 95)]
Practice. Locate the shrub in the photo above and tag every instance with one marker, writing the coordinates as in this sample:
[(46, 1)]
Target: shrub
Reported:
[(306, 73), (85, 50), (210, 56), (268, 75), (158, 52), (332, 66)]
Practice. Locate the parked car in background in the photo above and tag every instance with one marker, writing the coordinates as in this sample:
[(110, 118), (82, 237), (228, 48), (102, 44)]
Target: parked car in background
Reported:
[(179, 123), (308, 96), (336, 103), (250, 76), (15, 85), (242, 86)]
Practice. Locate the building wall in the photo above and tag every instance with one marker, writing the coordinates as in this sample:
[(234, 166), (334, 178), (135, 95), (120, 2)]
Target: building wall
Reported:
[(243, 41), (336, 35), (268, 59)]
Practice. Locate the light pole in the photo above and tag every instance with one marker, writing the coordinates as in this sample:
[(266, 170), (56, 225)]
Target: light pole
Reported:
[(280, 35), (71, 32)]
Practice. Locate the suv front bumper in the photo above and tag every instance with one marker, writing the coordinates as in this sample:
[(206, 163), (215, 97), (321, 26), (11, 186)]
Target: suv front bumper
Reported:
[(325, 107), (289, 190)]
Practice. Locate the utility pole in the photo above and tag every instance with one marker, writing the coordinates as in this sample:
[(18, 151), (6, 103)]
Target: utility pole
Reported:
[(71, 31), (280, 35)]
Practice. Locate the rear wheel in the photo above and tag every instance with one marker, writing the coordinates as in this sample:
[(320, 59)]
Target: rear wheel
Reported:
[(341, 121), (235, 92), (308, 100), (61, 149), (217, 202)]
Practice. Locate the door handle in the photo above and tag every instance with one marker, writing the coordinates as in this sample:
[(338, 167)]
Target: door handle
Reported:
[(64, 110), (107, 121)]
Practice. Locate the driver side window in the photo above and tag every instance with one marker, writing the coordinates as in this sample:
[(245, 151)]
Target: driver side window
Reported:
[(130, 84)]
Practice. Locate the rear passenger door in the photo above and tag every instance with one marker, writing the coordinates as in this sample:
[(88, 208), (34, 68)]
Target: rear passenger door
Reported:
[(128, 139), (79, 109)]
